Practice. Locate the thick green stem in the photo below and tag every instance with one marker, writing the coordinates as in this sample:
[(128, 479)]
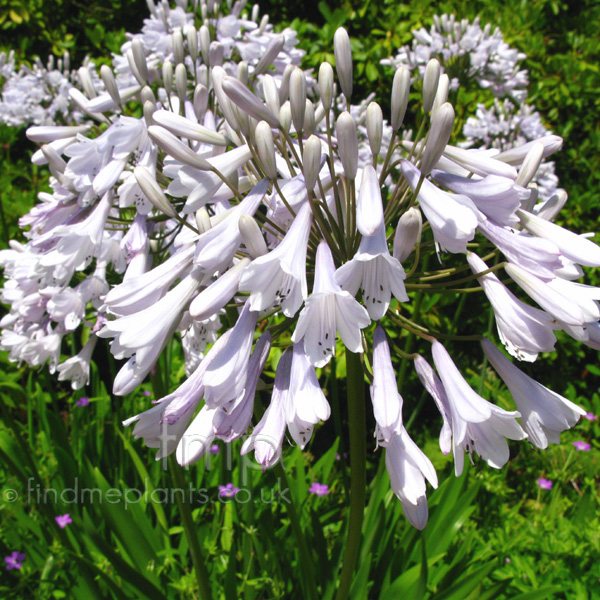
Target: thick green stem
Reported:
[(190, 533), (358, 475)]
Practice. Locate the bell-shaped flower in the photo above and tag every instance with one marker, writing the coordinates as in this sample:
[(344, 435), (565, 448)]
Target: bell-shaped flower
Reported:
[(145, 333), (225, 378), (544, 413), (496, 197), (375, 271), (304, 404), (387, 402), (477, 425), (267, 437), (538, 256), (453, 218), (279, 277), (328, 310), (523, 329), (408, 467), (77, 368)]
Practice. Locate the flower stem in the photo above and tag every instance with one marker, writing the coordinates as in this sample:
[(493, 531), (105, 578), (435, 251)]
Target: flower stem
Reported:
[(190, 533), (358, 479)]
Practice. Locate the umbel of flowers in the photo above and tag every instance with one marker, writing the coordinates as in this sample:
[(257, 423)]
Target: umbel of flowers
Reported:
[(217, 193)]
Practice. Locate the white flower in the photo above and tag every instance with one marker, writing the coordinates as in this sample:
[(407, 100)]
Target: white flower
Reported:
[(544, 413), (77, 368), (524, 330), (279, 277), (329, 310)]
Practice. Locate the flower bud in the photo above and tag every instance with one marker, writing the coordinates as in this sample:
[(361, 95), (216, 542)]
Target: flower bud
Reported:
[(240, 95), (430, 83), (369, 206), (345, 130), (311, 161), (85, 79), (215, 54), (270, 54), (149, 110), (263, 24), (285, 116), (343, 61), (204, 43), (147, 95), (153, 191), (177, 42), (181, 82), (167, 74), (252, 236), (284, 89), (271, 94), (441, 95), (202, 219), (54, 159), (309, 118), (400, 93), (110, 84), (200, 101), (177, 149), (530, 165), (218, 74), (44, 134), (439, 134), (266, 149), (408, 233), (139, 56), (242, 72), (374, 127), (183, 127), (326, 85), (529, 202), (255, 13), (133, 67), (553, 205), (192, 41), (298, 98)]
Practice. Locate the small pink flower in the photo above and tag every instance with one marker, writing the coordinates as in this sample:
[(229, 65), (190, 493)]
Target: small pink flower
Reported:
[(83, 401), (14, 561), (545, 484), (147, 393), (64, 520), (214, 449), (590, 416), (581, 445), (228, 491), (319, 489)]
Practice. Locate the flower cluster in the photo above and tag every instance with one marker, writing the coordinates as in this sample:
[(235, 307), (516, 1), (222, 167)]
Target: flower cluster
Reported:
[(222, 196)]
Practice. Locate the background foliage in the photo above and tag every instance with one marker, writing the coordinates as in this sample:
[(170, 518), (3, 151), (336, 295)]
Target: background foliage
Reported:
[(492, 534)]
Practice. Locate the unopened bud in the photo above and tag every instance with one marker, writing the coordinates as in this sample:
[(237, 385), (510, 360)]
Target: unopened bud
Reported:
[(273, 49), (285, 116), (204, 43), (110, 84), (202, 220), (147, 95), (183, 127), (326, 85), (430, 83), (139, 56), (263, 24), (408, 233), (153, 191), (400, 93), (345, 129), (149, 110), (531, 164), (242, 72), (215, 54), (176, 148), (529, 202), (311, 161), (284, 89), (86, 81), (133, 68), (266, 149), (177, 42), (343, 60), (553, 206), (167, 73), (441, 95), (439, 134), (218, 74), (192, 41), (374, 127), (309, 118), (298, 98), (200, 101), (252, 236), (181, 83), (240, 95), (271, 94), (54, 159)]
